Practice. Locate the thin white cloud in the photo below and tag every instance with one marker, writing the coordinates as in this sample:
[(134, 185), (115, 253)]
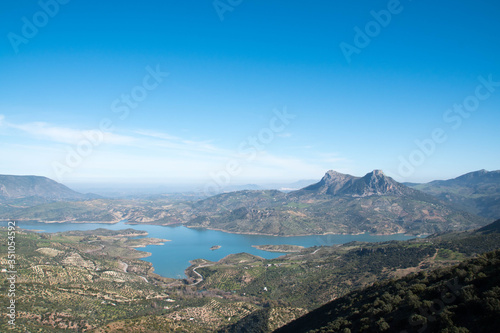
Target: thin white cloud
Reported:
[(172, 142), (42, 130), (159, 135), (332, 158), (137, 139), (293, 165), (147, 154)]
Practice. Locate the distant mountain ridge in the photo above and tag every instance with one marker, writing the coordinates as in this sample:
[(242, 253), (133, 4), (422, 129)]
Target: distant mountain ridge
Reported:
[(36, 187), (491, 228), (338, 203), (477, 192), (480, 175), (284, 187)]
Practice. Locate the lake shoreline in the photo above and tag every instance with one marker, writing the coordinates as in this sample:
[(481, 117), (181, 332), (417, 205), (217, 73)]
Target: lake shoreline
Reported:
[(222, 230), (301, 235), (281, 248), (184, 244)]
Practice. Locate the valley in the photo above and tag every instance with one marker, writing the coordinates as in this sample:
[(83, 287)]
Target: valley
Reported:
[(102, 271), (339, 204), (230, 166)]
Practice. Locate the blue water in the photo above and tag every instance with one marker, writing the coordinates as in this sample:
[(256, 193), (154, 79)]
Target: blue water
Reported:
[(172, 258)]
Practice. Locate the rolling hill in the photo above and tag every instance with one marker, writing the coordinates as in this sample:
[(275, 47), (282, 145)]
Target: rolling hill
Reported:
[(463, 298), (339, 203), (36, 189), (92, 280), (476, 192), (385, 287)]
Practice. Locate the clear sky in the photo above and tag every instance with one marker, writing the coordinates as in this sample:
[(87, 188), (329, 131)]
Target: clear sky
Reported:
[(235, 91)]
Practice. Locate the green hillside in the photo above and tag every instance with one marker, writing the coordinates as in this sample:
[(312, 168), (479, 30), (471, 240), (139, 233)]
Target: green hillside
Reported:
[(462, 298), (476, 192)]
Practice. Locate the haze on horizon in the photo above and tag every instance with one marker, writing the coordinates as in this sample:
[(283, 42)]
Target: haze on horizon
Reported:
[(164, 92)]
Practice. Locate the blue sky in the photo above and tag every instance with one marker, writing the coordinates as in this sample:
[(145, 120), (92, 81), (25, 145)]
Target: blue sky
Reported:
[(229, 78)]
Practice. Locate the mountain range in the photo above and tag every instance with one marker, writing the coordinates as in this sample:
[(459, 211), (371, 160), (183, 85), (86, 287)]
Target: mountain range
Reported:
[(338, 203), (373, 183), (476, 192), (355, 287)]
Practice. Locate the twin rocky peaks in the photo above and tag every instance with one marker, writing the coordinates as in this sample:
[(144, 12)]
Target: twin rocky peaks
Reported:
[(373, 183)]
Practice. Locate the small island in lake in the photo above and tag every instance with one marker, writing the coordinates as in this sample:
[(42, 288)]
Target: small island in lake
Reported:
[(279, 248), (215, 247)]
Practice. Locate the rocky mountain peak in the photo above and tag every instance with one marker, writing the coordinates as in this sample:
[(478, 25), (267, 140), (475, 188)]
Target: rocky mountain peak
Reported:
[(377, 183), (332, 183), (373, 183), (334, 176)]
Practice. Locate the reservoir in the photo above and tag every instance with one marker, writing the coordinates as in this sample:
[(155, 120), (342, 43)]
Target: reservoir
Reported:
[(172, 258)]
